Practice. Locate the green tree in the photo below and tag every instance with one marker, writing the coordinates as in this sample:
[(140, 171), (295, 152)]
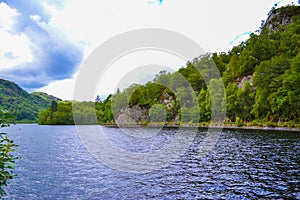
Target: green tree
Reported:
[(54, 106), (268, 79), (232, 101), (290, 104), (217, 99), (234, 65), (158, 113), (246, 101), (204, 105)]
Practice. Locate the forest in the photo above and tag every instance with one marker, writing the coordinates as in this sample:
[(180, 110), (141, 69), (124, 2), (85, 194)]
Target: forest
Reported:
[(261, 77), (23, 105)]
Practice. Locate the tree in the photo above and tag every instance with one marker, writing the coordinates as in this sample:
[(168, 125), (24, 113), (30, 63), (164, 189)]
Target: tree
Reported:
[(234, 65), (204, 105), (268, 79), (290, 108), (217, 99), (232, 101), (246, 101), (158, 113), (54, 106)]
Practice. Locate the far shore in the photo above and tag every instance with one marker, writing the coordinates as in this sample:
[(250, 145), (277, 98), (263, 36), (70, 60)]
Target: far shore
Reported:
[(226, 126), (200, 126)]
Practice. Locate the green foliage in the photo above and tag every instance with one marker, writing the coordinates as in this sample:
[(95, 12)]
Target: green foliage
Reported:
[(62, 113), (54, 106), (7, 160), (58, 114), (204, 105), (26, 107), (217, 99), (239, 122), (158, 113), (270, 57)]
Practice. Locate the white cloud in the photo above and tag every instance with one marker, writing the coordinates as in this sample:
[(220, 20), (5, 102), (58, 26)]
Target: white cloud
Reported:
[(62, 89), (39, 22), (7, 15), (14, 48)]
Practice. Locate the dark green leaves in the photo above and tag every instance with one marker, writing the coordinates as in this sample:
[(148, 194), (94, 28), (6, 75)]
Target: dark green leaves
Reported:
[(7, 159)]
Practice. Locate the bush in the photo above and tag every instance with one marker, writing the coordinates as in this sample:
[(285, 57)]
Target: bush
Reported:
[(7, 160), (256, 123), (288, 124), (239, 122), (271, 124)]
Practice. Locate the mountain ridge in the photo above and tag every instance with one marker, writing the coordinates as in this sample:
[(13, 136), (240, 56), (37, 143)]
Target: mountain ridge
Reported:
[(23, 105)]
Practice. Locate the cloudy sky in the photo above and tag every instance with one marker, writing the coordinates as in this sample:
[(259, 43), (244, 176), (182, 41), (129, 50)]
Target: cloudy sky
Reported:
[(43, 43)]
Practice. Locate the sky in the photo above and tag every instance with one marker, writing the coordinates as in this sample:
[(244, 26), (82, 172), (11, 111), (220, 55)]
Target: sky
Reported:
[(44, 43)]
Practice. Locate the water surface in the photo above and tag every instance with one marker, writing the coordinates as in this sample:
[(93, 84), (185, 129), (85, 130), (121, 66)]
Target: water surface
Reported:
[(244, 164)]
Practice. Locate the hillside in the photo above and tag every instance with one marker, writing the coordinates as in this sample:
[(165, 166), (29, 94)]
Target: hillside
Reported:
[(261, 77), (24, 106)]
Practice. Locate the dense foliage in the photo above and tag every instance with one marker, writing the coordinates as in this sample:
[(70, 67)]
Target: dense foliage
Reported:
[(261, 78), (7, 160), (62, 113), (26, 107)]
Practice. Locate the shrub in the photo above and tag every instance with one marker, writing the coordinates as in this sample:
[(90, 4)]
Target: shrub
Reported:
[(7, 160)]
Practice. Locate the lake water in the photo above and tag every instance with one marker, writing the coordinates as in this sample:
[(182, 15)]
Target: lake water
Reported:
[(253, 164)]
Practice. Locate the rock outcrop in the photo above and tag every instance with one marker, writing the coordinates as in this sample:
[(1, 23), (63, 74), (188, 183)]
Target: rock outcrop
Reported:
[(241, 81), (281, 17), (132, 115), (166, 99)]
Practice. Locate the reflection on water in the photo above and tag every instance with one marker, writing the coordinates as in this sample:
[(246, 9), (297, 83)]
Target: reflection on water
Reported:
[(243, 165)]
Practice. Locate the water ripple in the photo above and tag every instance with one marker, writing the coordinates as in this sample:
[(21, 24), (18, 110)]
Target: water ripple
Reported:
[(243, 165)]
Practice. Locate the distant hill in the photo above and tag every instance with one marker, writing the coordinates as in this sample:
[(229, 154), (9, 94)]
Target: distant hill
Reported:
[(46, 96), (25, 106)]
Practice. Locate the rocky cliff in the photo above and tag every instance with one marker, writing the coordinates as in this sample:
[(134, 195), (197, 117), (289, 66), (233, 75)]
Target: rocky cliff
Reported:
[(281, 17)]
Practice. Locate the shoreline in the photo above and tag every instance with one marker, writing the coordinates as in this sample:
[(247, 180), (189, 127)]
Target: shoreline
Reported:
[(199, 126), (228, 127)]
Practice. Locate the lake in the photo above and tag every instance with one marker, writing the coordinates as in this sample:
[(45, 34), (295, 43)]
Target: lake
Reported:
[(54, 164)]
